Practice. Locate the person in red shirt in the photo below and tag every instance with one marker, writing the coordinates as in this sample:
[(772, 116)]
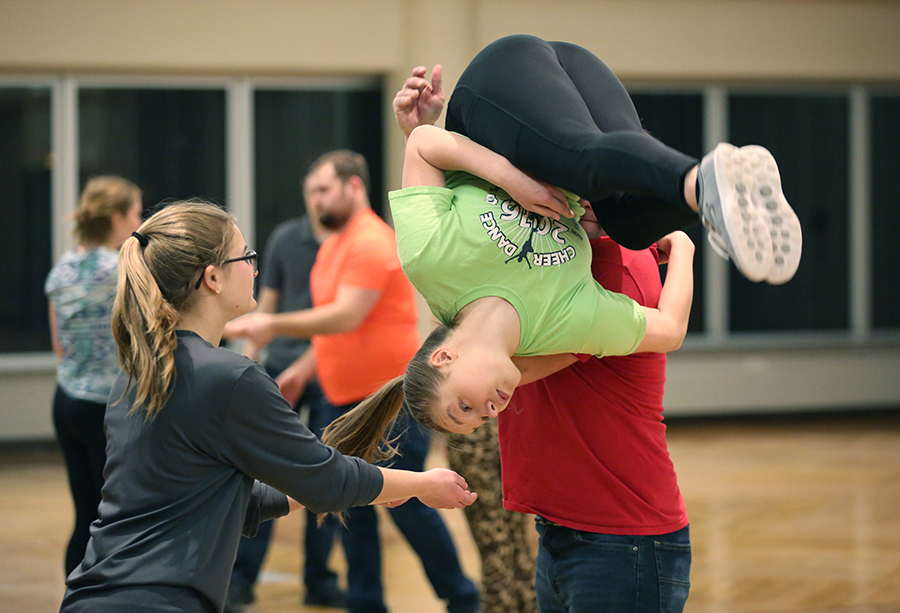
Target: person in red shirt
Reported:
[(364, 331), (584, 447), (614, 533)]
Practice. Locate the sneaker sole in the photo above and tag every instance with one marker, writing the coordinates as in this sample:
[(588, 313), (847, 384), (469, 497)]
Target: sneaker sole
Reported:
[(748, 230), (782, 223)]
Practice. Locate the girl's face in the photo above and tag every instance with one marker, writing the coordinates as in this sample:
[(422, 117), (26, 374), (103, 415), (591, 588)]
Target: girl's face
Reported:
[(477, 386), (237, 287)]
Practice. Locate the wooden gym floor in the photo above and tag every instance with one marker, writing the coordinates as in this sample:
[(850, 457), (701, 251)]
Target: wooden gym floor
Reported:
[(798, 514)]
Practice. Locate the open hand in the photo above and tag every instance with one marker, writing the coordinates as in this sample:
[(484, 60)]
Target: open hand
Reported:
[(445, 489), (419, 101)]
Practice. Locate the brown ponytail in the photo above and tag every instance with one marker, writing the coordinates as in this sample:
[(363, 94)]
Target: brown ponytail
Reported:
[(365, 430), (156, 283)]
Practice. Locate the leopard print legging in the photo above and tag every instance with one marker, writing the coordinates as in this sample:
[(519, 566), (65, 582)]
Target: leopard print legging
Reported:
[(502, 537)]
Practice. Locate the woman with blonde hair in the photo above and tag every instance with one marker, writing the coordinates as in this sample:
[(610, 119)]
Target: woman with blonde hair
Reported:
[(201, 444), (80, 289)]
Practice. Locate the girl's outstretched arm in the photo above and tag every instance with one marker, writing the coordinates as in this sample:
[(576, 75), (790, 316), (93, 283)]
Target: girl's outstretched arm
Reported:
[(667, 323), (430, 151), (438, 488)]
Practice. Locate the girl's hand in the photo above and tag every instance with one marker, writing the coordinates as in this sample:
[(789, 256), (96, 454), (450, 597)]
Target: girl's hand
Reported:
[(419, 101), (539, 197), (673, 241), (445, 489)]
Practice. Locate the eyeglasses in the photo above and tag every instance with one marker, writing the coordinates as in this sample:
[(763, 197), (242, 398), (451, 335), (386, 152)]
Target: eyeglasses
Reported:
[(251, 257)]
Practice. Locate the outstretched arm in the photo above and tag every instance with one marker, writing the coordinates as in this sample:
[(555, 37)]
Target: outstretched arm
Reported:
[(431, 151), (349, 309)]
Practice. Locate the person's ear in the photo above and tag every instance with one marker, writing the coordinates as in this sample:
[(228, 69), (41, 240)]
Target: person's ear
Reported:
[(356, 185), (211, 279), (442, 356)]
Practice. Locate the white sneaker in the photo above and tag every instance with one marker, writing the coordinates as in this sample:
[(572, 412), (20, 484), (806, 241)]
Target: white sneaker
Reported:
[(782, 222), (737, 228)]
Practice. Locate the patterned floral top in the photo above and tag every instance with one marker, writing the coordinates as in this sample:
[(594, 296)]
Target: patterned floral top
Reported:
[(82, 287)]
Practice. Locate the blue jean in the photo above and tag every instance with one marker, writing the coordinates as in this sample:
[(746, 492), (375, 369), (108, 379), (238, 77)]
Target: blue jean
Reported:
[(581, 571), (423, 529), (317, 576)]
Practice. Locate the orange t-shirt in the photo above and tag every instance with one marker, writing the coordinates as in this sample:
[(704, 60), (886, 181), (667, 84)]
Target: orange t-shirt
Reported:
[(352, 365)]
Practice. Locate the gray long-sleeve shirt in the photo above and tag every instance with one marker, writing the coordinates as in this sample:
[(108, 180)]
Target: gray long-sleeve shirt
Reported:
[(180, 488)]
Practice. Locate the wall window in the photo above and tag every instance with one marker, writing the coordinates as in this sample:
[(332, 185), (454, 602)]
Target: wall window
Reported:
[(885, 219), (808, 136), (292, 128), (173, 140), (25, 217), (170, 142)]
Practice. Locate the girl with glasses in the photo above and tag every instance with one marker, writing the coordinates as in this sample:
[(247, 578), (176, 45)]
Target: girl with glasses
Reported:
[(201, 445)]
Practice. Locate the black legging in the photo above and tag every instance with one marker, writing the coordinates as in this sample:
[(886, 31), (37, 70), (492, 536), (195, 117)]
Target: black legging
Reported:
[(556, 111), (79, 430)]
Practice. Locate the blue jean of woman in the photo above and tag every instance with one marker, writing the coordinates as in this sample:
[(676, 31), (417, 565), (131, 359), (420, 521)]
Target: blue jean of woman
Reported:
[(581, 572), (423, 529), (556, 111)]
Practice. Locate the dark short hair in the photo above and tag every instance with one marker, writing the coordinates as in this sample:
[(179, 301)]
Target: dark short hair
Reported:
[(346, 164)]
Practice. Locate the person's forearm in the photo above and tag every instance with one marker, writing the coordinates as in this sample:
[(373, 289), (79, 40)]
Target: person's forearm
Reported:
[(444, 151), (399, 484), (327, 319), (677, 293), (667, 324)]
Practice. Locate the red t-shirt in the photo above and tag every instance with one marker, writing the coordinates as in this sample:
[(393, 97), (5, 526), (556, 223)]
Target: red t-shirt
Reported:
[(586, 447), (351, 365)]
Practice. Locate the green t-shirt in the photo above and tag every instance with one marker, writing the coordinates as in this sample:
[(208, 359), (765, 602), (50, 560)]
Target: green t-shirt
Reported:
[(471, 240)]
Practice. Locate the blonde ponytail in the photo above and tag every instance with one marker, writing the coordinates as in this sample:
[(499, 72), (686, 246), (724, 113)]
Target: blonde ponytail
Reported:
[(156, 282), (365, 430)]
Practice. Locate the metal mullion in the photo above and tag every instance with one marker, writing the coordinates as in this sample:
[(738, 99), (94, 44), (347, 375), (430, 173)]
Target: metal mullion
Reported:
[(239, 155), (64, 173), (859, 215), (716, 297)]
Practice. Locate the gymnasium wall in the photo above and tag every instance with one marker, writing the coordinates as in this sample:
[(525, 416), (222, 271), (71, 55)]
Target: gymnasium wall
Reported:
[(806, 41)]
